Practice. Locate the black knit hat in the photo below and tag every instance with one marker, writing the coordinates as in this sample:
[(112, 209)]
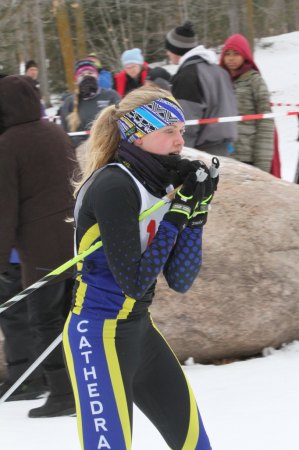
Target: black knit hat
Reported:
[(29, 64), (181, 39), (158, 72), (159, 77)]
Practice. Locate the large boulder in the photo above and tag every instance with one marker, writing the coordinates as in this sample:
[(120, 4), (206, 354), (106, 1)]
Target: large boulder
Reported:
[(246, 296)]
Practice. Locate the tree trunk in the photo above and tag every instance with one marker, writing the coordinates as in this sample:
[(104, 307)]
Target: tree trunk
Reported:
[(80, 27), (65, 39), (233, 17), (43, 77), (250, 27)]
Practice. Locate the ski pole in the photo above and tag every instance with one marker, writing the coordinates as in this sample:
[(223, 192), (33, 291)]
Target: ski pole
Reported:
[(56, 342), (59, 270), (47, 278), (30, 369), (214, 171)]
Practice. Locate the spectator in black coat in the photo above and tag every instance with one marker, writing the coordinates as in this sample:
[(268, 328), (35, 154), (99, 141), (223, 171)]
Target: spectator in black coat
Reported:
[(36, 163), (203, 89)]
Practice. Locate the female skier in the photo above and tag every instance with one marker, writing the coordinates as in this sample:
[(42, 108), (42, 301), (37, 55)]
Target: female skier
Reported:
[(114, 352)]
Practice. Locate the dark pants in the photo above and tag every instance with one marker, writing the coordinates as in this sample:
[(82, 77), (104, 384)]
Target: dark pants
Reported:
[(114, 363), (31, 325)]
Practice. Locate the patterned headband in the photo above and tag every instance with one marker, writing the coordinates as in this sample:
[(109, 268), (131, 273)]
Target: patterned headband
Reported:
[(148, 118)]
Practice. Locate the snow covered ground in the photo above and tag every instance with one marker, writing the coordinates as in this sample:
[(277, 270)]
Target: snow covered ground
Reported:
[(248, 405)]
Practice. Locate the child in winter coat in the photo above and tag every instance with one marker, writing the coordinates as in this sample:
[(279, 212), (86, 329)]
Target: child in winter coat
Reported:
[(256, 138)]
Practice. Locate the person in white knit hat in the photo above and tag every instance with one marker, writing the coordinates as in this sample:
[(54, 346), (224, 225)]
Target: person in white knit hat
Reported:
[(134, 73)]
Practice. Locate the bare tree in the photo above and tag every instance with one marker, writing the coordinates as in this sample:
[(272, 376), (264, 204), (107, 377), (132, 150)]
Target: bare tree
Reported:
[(66, 45), (291, 18), (73, 28), (42, 53), (80, 29), (250, 27), (233, 13)]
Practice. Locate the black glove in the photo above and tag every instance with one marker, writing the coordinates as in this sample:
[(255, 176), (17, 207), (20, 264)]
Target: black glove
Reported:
[(10, 282), (205, 194), (184, 167), (183, 203), (178, 168)]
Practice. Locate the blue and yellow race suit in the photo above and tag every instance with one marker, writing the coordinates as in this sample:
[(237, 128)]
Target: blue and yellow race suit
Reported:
[(115, 354)]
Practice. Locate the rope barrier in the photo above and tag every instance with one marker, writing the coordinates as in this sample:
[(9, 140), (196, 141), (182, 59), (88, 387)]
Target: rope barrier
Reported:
[(241, 118), (220, 120), (284, 104)]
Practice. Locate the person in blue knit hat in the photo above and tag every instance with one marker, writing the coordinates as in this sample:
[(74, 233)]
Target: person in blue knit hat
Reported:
[(135, 71)]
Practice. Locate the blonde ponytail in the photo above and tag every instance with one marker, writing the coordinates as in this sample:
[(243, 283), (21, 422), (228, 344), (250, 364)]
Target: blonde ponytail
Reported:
[(104, 134), (73, 119)]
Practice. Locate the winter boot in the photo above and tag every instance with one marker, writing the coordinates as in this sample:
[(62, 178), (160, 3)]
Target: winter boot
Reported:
[(61, 399), (29, 390)]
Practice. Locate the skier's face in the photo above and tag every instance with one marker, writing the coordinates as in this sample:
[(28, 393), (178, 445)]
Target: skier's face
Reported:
[(165, 141)]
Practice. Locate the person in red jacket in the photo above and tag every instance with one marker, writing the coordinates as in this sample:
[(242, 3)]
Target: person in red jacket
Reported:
[(134, 73)]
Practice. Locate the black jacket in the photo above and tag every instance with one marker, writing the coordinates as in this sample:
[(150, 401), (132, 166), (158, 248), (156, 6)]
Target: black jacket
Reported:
[(205, 90), (36, 163)]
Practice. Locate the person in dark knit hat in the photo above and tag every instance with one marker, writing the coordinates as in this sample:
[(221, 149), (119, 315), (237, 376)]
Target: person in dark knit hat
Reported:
[(80, 109), (31, 69), (203, 89), (181, 39)]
